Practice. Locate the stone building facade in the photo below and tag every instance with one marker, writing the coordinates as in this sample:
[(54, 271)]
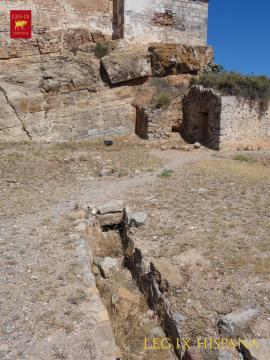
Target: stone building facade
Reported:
[(53, 86), (177, 21), (225, 122)]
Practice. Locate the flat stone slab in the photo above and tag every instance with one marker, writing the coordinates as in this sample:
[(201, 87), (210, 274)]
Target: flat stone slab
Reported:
[(258, 349), (110, 219), (231, 323), (137, 218), (108, 265), (111, 207), (125, 66), (169, 272)]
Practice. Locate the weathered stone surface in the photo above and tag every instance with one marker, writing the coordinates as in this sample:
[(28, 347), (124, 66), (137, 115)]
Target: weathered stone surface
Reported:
[(137, 218), (142, 21), (169, 272), (126, 66), (150, 280), (111, 207), (108, 265), (126, 301), (175, 21), (171, 59), (155, 120), (258, 349), (110, 219), (224, 122), (193, 354), (54, 97), (230, 355), (231, 323), (197, 145), (52, 90)]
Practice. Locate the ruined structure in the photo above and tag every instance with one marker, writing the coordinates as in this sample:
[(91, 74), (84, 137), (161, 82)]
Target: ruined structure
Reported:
[(64, 82), (218, 121), (177, 21)]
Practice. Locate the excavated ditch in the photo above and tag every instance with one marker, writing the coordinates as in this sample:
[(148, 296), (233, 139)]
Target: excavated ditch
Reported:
[(130, 277)]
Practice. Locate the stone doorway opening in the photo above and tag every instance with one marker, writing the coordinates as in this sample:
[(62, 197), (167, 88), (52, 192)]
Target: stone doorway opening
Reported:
[(118, 19), (203, 125)]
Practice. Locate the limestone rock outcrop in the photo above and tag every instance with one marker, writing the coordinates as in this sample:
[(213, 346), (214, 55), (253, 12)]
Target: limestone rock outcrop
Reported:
[(51, 89), (54, 87), (171, 59)]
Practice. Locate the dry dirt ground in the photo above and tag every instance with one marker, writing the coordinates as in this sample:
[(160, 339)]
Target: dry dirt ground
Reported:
[(208, 218)]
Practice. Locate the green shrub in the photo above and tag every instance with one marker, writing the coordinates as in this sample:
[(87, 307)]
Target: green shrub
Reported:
[(166, 173), (101, 50), (163, 100), (232, 83), (215, 68)]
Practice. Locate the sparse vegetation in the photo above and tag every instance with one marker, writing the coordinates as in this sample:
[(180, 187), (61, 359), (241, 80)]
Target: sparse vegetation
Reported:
[(101, 50), (242, 157), (163, 100), (166, 173), (215, 68), (232, 83)]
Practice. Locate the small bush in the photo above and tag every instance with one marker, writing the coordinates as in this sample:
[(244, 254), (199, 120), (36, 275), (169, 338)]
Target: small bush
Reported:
[(242, 157), (166, 173), (231, 83), (215, 68), (101, 50), (163, 100)]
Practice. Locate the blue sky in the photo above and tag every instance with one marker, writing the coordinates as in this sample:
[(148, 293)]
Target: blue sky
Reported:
[(239, 31)]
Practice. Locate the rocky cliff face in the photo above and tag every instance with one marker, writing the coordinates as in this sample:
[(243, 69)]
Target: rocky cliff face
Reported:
[(54, 87)]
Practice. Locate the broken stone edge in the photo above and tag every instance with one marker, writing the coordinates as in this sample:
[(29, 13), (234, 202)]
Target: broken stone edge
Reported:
[(106, 347)]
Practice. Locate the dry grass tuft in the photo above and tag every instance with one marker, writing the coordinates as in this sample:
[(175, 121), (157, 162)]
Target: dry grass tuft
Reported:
[(104, 244), (249, 172)]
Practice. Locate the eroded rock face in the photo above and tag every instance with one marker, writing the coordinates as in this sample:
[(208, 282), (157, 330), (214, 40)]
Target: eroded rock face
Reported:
[(51, 90), (171, 59), (54, 88), (126, 66), (154, 119)]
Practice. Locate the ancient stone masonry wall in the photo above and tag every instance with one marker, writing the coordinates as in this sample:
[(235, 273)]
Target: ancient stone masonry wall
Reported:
[(48, 14), (225, 121), (244, 124), (177, 21)]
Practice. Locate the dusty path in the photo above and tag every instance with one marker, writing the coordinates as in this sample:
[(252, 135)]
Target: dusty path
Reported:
[(39, 274)]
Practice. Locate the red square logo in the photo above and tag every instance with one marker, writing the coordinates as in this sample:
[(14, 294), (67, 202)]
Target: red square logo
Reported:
[(20, 24)]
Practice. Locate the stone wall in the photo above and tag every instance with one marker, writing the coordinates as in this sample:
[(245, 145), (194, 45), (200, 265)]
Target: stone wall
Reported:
[(244, 124), (179, 21), (176, 21), (156, 120), (229, 122), (48, 14)]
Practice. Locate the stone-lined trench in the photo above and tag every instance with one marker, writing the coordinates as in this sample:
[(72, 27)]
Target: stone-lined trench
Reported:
[(154, 287)]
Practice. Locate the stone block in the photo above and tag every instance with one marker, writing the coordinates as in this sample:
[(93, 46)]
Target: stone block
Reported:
[(110, 219), (126, 66), (111, 207)]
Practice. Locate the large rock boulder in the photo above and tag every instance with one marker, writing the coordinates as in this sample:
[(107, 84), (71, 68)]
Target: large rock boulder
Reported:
[(171, 59), (126, 66), (231, 324)]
